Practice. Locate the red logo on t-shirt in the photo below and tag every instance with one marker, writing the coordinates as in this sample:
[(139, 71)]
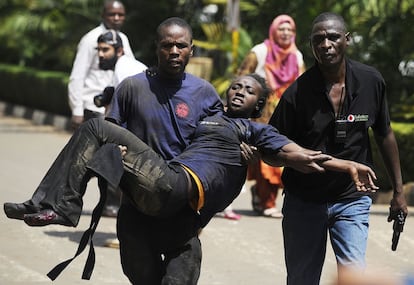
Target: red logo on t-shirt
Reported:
[(182, 110)]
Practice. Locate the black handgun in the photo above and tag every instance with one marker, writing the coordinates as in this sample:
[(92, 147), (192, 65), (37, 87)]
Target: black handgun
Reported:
[(397, 227)]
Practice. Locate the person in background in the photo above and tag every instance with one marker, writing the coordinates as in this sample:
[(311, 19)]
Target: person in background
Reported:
[(331, 108), (279, 61), (87, 79), (112, 57), (229, 213)]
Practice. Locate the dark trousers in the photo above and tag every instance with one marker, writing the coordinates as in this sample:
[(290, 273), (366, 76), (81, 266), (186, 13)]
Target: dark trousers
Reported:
[(158, 251), (143, 175), (113, 197)]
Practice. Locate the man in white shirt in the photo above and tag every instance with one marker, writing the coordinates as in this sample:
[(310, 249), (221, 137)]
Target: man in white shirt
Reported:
[(126, 66), (111, 57), (86, 79)]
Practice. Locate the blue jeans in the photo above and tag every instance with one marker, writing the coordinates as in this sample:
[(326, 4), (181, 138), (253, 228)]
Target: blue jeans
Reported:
[(305, 230)]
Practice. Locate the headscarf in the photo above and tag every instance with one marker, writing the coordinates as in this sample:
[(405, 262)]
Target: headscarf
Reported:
[(281, 64)]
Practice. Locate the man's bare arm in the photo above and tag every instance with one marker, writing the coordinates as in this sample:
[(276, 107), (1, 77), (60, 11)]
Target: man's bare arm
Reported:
[(308, 161), (362, 175), (301, 159)]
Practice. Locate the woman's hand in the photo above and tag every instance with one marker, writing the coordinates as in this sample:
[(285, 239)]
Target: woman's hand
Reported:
[(363, 177), (123, 149), (249, 153)]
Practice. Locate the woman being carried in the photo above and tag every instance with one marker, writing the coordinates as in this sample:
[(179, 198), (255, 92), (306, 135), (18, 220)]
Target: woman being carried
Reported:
[(209, 174)]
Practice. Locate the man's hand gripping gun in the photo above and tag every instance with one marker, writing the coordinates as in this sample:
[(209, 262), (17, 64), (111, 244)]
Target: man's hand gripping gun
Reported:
[(397, 227)]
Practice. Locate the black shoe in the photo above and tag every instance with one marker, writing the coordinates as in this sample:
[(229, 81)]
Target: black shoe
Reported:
[(110, 211), (46, 217), (16, 210), (255, 200)]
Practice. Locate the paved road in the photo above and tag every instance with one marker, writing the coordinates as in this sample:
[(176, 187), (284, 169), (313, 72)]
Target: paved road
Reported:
[(246, 252)]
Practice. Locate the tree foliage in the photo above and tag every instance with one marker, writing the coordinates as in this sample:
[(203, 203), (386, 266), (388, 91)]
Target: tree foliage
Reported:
[(381, 31), (44, 33)]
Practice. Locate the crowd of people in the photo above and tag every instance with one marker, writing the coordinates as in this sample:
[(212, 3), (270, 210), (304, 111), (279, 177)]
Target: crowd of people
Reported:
[(170, 156)]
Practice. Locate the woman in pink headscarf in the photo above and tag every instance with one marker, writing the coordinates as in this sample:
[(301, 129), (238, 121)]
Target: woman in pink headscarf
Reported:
[(279, 61)]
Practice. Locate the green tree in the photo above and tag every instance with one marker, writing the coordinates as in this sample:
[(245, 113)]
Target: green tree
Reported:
[(384, 32), (381, 30), (44, 33), (144, 16)]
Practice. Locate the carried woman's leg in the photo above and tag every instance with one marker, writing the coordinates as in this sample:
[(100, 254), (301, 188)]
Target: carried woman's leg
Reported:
[(155, 187), (64, 185)]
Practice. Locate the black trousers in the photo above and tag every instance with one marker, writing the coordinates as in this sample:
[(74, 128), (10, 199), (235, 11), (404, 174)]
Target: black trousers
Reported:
[(113, 196), (157, 251), (142, 174)]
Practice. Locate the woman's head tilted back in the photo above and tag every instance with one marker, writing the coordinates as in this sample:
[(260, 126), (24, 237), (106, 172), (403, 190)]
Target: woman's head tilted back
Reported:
[(246, 96)]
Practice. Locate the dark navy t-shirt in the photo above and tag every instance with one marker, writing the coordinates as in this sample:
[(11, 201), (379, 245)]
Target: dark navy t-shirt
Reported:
[(163, 113), (215, 156)]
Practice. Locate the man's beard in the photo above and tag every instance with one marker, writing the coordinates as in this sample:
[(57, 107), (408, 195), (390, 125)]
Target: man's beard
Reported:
[(107, 64)]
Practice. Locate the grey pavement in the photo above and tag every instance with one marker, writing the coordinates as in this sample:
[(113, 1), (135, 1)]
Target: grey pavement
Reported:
[(248, 251)]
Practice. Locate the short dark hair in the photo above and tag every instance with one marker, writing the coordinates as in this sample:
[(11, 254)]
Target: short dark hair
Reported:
[(261, 102), (109, 3), (325, 16), (174, 21), (111, 37)]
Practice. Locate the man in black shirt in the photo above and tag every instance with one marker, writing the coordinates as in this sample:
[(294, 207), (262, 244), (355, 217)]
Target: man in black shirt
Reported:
[(330, 108)]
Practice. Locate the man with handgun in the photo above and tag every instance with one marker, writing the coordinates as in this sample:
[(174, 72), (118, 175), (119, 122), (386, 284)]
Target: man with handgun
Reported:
[(331, 108), (398, 226)]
